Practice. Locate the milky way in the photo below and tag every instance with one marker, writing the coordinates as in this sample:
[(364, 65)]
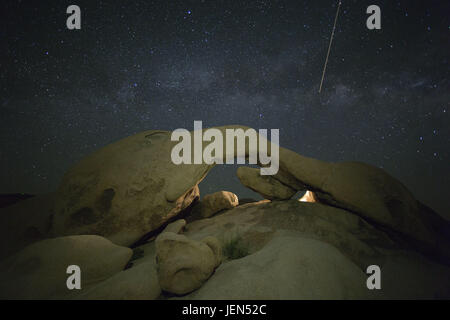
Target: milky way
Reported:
[(140, 66)]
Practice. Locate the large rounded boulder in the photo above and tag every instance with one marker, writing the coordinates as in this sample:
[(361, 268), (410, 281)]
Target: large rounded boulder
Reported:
[(185, 264), (126, 189), (40, 270), (216, 202)]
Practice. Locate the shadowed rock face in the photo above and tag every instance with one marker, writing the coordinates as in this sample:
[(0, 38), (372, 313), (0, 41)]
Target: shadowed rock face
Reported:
[(39, 270), (303, 269), (255, 224), (371, 193), (292, 269), (267, 186), (25, 222), (126, 189), (137, 283)]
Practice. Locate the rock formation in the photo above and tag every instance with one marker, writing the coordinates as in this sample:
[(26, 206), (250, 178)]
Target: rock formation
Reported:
[(356, 215), (176, 226), (39, 270), (270, 188), (137, 283), (216, 202), (25, 222), (288, 267), (126, 189), (185, 264)]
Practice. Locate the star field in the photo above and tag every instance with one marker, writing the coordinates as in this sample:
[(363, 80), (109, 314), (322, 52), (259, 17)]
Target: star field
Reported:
[(143, 65)]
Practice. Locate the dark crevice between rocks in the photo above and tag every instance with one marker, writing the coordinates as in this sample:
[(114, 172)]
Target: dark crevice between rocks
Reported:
[(165, 295), (403, 240), (183, 214), (439, 253), (137, 254), (246, 200)]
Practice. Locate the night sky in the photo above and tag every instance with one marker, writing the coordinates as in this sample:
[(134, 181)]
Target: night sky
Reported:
[(142, 65)]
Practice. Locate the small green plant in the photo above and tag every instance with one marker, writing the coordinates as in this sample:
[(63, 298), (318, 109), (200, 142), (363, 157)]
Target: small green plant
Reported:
[(235, 248)]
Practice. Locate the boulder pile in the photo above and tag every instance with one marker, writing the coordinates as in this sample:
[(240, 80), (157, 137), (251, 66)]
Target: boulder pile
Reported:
[(352, 216)]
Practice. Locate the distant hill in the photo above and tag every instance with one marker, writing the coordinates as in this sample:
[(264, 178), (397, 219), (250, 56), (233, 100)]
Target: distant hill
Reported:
[(11, 198)]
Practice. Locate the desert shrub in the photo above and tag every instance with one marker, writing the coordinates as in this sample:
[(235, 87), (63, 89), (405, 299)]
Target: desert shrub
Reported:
[(235, 248)]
